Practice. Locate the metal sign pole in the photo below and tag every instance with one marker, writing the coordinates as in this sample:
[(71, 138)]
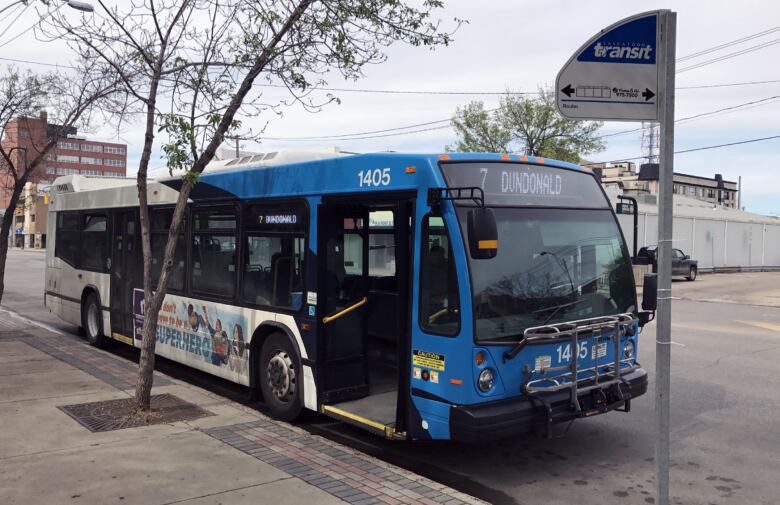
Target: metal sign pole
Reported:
[(665, 219)]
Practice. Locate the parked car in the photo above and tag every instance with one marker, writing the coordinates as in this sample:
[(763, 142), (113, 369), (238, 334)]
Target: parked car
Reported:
[(682, 264)]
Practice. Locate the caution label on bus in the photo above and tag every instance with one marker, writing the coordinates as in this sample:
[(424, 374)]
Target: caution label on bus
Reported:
[(427, 359)]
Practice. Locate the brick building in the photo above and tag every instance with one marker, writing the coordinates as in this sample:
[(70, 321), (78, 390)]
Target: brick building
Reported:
[(73, 154)]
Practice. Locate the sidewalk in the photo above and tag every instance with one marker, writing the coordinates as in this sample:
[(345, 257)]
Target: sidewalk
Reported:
[(235, 456)]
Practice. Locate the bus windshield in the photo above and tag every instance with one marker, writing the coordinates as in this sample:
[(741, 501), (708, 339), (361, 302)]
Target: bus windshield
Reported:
[(553, 265)]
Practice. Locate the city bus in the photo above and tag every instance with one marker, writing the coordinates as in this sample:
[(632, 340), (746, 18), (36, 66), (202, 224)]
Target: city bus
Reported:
[(418, 296)]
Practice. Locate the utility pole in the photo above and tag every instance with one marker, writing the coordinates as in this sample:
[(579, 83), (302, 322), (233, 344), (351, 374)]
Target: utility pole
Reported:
[(663, 336)]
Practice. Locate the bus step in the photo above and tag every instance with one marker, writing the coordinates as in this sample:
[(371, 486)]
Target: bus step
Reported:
[(384, 430)]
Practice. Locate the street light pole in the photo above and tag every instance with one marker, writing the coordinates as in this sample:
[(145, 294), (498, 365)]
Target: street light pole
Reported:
[(73, 4)]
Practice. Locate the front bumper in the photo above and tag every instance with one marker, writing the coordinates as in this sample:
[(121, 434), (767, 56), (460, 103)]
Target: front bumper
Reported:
[(503, 418)]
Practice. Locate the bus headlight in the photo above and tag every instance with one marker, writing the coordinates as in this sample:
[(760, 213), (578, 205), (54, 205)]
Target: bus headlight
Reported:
[(628, 349), (485, 381)]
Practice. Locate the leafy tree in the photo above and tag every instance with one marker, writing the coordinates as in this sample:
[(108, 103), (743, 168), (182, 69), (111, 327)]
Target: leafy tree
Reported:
[(190, 66), (478, 130), (525, 125), (70, 99)]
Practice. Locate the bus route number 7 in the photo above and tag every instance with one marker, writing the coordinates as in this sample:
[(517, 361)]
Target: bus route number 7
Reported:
[(376, 177)]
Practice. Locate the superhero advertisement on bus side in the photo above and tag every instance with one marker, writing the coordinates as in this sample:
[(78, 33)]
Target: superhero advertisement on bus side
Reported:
[(197, 331)]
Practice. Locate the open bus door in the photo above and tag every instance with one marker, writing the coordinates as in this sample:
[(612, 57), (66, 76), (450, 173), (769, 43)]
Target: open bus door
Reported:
[(343, 277), (364, 298), (124, 262)]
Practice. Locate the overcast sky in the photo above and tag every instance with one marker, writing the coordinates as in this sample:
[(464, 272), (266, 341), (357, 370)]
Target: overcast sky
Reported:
[(520, 45)]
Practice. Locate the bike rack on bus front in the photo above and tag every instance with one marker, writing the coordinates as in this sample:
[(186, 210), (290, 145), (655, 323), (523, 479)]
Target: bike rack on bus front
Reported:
[(571, 376)]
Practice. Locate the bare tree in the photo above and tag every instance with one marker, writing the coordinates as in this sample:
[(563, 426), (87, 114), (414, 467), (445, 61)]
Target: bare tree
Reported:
[(192, 66), (69, 99)]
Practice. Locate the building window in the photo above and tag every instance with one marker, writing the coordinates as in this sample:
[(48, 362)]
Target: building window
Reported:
[(214, 241), (114, 163), (113, 150), (88, 160), (67, 158), (92, 148), (24, 133), (51, 170), (73, 146)]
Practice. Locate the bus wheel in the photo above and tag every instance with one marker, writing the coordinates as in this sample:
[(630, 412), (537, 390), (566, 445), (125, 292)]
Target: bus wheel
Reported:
[(280, 377), (92, 321)]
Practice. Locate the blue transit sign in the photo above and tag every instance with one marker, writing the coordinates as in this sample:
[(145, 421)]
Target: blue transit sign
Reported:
[(616, 74)]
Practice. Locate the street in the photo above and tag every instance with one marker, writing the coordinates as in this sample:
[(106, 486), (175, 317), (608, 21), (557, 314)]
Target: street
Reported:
[(725, 433)]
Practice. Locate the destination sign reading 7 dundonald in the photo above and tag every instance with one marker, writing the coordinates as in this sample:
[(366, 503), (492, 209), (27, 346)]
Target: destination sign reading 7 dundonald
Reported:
[(520, 184)]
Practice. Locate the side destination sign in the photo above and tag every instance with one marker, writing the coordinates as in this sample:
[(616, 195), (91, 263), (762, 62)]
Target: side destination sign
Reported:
[(615, 75)]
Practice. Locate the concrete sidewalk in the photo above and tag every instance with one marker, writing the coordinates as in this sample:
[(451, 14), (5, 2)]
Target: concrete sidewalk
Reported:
[(235, 456)]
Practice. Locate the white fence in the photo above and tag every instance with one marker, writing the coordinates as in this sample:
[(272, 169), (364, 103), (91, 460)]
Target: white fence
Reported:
[(715, 243)]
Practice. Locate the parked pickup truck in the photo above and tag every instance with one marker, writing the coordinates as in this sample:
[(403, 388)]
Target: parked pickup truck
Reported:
[(682, 264)]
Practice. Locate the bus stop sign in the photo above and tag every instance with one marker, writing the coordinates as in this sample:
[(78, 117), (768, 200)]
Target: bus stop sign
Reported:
[(616, 74)]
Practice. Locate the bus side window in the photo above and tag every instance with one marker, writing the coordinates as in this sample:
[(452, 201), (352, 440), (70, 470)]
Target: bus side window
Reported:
[(439, 300), (273, 271), (66, 242), (92, 253), (160, 223), (214, 240)]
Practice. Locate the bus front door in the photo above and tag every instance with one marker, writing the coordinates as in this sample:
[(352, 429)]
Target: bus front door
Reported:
[(342, 249), (363, 294), (124, 260)]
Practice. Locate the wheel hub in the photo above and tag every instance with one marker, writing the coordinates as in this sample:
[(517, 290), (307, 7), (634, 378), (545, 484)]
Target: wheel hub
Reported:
[(92, 320), (281, 376)]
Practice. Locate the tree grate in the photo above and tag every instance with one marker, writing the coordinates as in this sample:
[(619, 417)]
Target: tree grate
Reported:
[(112, 415)]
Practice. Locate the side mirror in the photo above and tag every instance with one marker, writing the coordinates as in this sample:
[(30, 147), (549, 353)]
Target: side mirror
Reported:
[(650, 292), (686, 257), (483, 234)]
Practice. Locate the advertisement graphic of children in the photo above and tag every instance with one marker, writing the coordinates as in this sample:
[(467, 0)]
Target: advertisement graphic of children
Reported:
[(194, 319), (219, 340), (238, 352)]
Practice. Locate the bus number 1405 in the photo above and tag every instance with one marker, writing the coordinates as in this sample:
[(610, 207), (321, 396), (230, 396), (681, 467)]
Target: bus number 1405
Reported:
[(564, 351), (375, 177)]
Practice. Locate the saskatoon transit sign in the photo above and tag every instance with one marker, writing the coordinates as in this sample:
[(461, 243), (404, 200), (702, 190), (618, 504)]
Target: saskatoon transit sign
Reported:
[(615, 75)]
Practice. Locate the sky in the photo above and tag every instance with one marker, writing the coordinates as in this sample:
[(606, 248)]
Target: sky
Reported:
[(519, 46)]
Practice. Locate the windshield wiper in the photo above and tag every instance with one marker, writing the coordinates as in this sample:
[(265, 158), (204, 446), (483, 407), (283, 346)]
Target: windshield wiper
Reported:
[(557, 308), (521, 343), (563, 266)]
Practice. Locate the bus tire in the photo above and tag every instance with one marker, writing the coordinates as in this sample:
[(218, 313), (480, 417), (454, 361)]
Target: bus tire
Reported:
[(692, 274), (280, 377), (92, 320)]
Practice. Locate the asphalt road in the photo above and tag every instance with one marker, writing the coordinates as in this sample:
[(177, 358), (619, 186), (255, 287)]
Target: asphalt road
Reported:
[(725, 428)]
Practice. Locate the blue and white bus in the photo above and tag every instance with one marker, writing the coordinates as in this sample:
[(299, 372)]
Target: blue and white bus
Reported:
[(453, 296)]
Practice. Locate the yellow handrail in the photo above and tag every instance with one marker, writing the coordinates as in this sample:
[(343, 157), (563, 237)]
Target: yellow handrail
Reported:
[(433, 317), (360, 303)]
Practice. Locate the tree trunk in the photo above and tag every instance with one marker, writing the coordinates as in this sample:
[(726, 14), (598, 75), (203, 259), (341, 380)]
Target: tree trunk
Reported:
[(5, 230), (143, 389)]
